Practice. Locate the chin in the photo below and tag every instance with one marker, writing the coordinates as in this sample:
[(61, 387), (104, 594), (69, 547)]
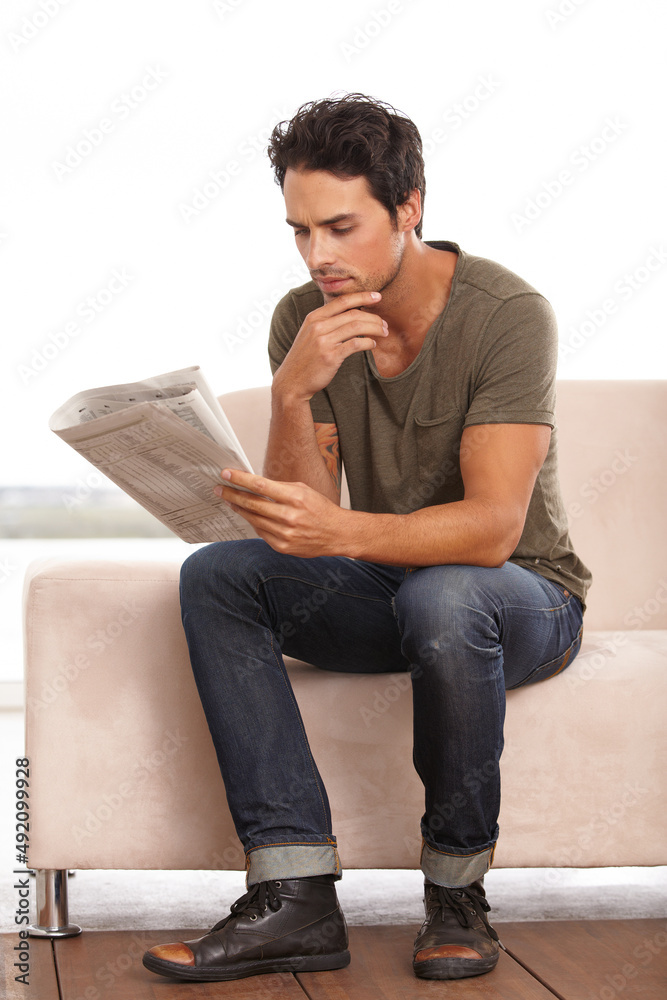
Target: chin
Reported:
[(356, 286)]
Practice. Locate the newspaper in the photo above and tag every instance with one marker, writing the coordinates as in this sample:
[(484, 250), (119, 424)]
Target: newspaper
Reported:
[(164, 441)]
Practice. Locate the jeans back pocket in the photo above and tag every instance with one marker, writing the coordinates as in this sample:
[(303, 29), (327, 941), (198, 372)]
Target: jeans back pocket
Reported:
[(547, 670)]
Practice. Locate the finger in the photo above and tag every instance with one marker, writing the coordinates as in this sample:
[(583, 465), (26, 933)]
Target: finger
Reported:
[(239, 477), (356, 344), (247, 502), (271, 488), (348, 327), (351, 300), (264, 526), (357, 324), (268, 528)]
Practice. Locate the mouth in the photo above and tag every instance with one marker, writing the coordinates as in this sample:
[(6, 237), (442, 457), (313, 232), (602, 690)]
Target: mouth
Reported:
[(330, 285)]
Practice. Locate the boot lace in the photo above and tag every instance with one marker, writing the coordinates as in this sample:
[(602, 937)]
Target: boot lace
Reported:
[(257, 899), (460, 900)]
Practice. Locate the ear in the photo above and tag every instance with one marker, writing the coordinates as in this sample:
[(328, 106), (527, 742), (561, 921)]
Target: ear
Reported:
[(410, 212)]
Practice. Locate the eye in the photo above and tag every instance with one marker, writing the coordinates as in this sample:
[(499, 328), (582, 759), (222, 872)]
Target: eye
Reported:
[(300, 232), (341, 232)]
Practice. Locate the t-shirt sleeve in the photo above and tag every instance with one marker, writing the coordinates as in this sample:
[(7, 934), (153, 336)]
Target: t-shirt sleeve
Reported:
[(285, 324), (515, 369)]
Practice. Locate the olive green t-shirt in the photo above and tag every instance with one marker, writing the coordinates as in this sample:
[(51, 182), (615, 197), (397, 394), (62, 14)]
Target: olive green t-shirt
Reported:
[(489, 357)]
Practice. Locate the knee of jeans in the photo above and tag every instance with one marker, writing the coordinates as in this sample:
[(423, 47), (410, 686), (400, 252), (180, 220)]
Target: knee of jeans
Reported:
[(436, 609), (219, 562), (442, 595)]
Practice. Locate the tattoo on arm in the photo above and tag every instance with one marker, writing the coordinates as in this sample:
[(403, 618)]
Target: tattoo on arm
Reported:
[(327, 441)]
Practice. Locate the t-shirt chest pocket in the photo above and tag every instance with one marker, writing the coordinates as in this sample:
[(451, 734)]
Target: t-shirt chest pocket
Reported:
[(438, 443)]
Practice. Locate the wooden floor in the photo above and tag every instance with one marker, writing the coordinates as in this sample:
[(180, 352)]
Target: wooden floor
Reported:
[(571, 960)]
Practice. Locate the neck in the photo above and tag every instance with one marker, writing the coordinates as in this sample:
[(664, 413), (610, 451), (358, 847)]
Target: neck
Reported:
[(416, 297)]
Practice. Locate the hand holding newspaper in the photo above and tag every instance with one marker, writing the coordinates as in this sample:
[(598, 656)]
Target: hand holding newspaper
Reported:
[(164, 441)]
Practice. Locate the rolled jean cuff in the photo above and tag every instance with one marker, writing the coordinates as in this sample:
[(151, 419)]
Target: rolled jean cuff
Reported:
[(454, 870), (291, 861)]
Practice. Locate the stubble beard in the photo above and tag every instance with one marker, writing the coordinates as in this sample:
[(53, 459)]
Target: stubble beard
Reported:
[(380, 281)]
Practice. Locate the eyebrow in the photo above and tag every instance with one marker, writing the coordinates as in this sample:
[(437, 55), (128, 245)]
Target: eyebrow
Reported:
[(343, 217)]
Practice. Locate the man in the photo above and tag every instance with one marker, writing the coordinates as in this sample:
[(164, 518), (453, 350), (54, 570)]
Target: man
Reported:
[(430, 373)]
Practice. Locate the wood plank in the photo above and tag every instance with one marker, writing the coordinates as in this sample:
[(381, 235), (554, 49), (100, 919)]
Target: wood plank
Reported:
[(601, 959), (106, 965), (580, 960), (381, 969), (42, 976)]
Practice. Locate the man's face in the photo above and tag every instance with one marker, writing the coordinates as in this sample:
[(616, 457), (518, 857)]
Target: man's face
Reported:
[(345, 236)]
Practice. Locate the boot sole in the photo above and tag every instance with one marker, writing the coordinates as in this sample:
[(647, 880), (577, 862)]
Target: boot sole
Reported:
[(240, 970), (454, 968)]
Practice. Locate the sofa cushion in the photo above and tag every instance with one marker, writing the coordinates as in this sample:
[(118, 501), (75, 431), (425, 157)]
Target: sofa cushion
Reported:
[(124, 775)]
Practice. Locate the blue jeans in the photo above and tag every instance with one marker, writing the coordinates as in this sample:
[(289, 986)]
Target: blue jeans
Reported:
[(465, 634)]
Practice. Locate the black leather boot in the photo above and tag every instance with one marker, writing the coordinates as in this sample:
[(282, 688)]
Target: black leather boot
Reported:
[(288, 925), (456, 939)]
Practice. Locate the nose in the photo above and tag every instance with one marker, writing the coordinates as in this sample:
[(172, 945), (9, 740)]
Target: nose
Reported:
[(319, 251)]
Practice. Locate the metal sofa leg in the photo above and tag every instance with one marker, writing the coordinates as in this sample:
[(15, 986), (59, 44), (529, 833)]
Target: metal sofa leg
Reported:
[(52, 905)]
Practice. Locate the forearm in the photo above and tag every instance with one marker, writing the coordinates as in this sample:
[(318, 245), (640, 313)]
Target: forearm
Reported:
[(472, 532), (483, 529), (292, 453)]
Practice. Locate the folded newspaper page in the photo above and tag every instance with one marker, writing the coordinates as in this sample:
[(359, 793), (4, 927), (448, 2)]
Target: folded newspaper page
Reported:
[(164, 441)]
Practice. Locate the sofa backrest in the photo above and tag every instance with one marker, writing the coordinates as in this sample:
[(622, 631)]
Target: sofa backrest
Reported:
[(612, 448), (612, 439)]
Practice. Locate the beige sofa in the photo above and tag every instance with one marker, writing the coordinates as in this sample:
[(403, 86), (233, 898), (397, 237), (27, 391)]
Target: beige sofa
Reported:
[(123, 772)]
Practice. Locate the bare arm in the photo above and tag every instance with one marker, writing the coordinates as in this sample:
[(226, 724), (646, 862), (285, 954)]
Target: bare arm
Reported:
[(499, 465), (327, 442), (304, 451), (299, 449)]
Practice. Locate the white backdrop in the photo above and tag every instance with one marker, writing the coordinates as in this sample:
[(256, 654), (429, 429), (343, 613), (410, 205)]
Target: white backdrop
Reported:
[(141, 229)]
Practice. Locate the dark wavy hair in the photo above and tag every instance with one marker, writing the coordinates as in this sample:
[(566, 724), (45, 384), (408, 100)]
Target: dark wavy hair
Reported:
[(354, 136)]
